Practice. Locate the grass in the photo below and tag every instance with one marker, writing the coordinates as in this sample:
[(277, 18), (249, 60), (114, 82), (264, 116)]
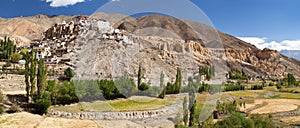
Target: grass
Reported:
[(247, 93), (270, 88), (96, 106), (70, 108), (130, 105), (287, 96), (290, 90), (118, 105)]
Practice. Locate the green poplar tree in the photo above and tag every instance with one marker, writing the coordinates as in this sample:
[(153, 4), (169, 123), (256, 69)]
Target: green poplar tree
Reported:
[(41, 77), (178, 81), (139, 76), (185, 111), (162, 79), (192, 115), (32, 73), (27, 74)]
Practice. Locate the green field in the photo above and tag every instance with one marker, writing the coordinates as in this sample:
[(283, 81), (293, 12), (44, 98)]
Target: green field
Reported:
[(115, 105), (247, 93), (288, 95)]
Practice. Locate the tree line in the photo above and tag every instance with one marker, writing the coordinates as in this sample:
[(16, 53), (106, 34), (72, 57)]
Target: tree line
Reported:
[(8, 50), (36, 82)]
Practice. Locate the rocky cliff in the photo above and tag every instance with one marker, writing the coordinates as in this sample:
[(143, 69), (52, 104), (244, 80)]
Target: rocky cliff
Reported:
[(239, 54)]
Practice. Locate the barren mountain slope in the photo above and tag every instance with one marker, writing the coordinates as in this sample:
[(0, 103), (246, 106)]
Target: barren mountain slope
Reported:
[(24, 29), (240, 54)]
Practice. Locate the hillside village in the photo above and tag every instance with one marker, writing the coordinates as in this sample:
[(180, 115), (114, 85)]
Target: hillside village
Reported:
[(58, 42)]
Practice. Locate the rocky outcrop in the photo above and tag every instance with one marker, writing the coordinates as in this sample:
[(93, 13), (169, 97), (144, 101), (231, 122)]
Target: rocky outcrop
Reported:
[(267, 54)]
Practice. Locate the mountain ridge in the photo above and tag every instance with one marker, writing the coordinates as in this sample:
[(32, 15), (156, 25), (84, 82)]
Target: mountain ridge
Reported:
[(238, 54)]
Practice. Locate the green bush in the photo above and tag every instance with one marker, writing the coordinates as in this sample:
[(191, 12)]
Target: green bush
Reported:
[(126, 86), (233, 87), (154, 91), (162, 94), (108, 89), (170, 88), (64, 93), (237, 75), (15, 57), (42, 104), (235, 120), (144, 87), (227, 108), (204, 87), (257, 87), (262, 122), (1, 109), (271, 84), (7, 64), (87, 90), (174, 88), (69, 73), (7, 47), (279, 85)]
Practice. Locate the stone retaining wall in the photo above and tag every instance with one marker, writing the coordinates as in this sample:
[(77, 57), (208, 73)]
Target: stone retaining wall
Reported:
[(132, 115)]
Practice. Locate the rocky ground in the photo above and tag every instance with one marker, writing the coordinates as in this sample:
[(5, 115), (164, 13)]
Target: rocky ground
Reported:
[(12, 84)]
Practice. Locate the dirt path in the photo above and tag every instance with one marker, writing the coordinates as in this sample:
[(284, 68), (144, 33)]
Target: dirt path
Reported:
[(28, 120), (20, 92)]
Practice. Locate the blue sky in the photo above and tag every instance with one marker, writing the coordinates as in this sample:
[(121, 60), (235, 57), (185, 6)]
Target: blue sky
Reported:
[(265, 23)]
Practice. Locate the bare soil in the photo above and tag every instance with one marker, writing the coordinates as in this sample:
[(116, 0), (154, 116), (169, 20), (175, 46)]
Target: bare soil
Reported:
[(28, 120), (294, 119), (275, 106)]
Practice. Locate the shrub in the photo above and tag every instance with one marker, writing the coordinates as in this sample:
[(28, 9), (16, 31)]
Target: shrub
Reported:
[(170, 88), (64, 93), (7, 64), (15, 57), (1, 109), (126, 86), (257, 87), (271, 84), (226, 108), (262, 122), (43, 104), (204, 87), (69, 73), (236, 74), (108, 89), (162, 94), (154, 91), (235, 120), (279, 85), (87, 90), (144, 87), (232, 87)]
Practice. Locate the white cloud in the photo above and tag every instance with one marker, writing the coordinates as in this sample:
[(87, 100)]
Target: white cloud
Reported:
[(60, 3), (115, 0), (262, 43)]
